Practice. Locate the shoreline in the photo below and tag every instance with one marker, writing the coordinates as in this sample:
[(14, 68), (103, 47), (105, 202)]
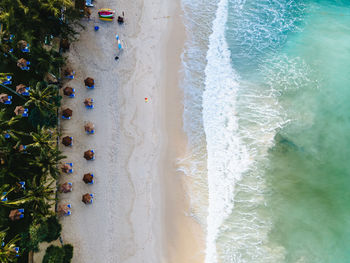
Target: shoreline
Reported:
[(185, 242)]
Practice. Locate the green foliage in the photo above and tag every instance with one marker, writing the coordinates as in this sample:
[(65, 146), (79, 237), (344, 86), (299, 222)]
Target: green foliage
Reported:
[(55, 254), (7, 251), (68, 253), (47, 229), (32, 21)]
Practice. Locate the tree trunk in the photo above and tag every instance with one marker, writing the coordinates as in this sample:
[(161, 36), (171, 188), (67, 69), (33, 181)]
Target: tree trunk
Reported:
[(31, 257)]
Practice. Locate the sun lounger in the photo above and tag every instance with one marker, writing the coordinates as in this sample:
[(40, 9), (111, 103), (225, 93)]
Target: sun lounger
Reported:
[(92, 87), (65, 118), (4, 199), (70, 170), (21, 216), (22, 183), (25, 68), (21, 210), (89, 106), (90, 132), (69, 206), (7, 136), (68, 213), (7, 82), (8, 102)]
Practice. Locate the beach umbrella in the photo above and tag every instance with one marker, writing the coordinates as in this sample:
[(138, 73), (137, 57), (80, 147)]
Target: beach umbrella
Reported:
[(19, 110), (68, 72), (15, 215), (21, 88), (62, 209), (89, 127), (87, 178), (22, 44), (87, 198), (89, 82), (89, 155), (3, 97), (67, 112), (66, 187), (88, 101), (20, 148), (68, 91), (65, 167), (21, 63), (67, 141)]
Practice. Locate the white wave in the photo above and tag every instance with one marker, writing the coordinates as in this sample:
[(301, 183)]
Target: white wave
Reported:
[(228, 158)]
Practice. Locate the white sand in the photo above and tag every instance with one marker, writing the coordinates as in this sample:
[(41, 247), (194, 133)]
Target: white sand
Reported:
[(126, 222)]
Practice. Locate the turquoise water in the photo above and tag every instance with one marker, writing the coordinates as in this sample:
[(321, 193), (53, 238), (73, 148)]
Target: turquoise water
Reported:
[(267, 114), (292, 62)]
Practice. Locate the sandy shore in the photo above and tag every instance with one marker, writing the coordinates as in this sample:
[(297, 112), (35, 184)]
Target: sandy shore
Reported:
[(138, 213)]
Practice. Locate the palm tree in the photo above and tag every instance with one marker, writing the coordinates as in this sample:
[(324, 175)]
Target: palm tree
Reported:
[(44, 138), (39, 196), (8, 251), (43, 97), (47, 161), (6, 126)]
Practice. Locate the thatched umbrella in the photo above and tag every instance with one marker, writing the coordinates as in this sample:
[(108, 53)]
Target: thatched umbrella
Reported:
[(19, 110), (15, 215), (89, 127), (65, 188), (68, 91), (88, 178), (68, 72), (63, 209), (3, 97), (89, 82), (88, 101), (89, 155), (66, 167), (67, 141), (21, 63), (20, 148), (87, 198), (22, 44), (21, 88), (67, 112)]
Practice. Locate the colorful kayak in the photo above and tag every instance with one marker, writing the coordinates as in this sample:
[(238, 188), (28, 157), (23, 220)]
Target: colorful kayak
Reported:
[(106, 19)]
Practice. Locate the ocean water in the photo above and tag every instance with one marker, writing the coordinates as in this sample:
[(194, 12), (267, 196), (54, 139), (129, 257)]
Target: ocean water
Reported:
[(267, 114)]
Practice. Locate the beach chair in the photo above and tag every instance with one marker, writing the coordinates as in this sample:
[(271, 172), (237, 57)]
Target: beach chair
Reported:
[(25, 68), (22, 183), (7, 82), (21, 210), (69, 206), (7, 136), (25, 113), (11, 50), (8, 102), (26, 49), (65, 118), (92, 87), (72, 95), (70, 170), (5, 198), (68, 213), (92, 198), (89, 106), (92, 181), (70, 76)]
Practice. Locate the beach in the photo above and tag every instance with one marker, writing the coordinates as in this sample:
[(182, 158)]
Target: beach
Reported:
[(139, 207)]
